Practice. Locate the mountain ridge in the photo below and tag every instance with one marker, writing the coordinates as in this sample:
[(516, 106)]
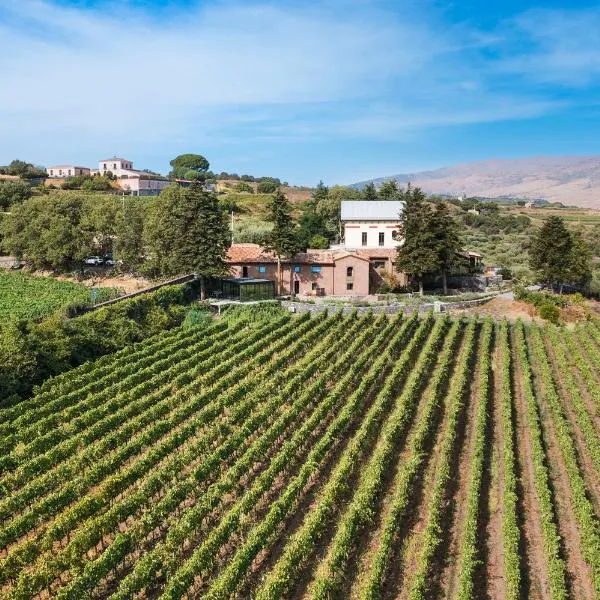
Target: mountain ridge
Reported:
[(572, 180)]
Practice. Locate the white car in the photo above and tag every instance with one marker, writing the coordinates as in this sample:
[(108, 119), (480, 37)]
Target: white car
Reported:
[(93, 261)]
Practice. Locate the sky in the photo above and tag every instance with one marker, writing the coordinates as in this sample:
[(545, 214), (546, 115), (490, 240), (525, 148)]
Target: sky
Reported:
[(332, 90)]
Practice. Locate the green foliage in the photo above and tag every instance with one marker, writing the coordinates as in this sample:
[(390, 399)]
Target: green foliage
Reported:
[(550, 312), (189, 166), (580, 264), (369, 192), (254, 313), (197, 317), (318, 242), (23, 169), (419, 255), (48, 231), (389, 190), (29, 297), (88, 183), (186, 231), (128, 246), (550, 253), (283, 238), (267, 187), (31, 351), (13, 192), (253, 231), (244, 187)]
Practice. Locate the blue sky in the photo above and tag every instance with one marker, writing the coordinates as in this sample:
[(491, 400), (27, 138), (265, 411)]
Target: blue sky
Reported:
[(339, 90)]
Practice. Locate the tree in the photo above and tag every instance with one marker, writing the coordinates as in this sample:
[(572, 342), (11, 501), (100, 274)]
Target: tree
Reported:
[(419, 254), (448, 240), (580, 264), (244, 187), (23, 169), (187, 232), (128, 246), (370, 192), (267, 187), (13, 192), (48, 232), (389, 190), (283, 239), (189, 166), (318, 242), (550, 252)]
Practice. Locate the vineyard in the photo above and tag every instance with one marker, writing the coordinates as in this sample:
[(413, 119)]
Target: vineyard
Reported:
[(311, 457), (24, 296)]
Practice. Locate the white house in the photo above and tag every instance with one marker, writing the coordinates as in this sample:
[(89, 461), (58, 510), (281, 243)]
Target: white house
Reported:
[(130, 180), (371, 223), (67, 171)]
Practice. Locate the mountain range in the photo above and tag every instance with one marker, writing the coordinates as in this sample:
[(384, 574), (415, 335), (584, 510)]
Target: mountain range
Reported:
[(572, 180)]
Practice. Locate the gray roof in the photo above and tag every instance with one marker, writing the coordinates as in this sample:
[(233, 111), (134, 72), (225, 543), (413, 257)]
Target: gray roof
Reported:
[(371, 210)]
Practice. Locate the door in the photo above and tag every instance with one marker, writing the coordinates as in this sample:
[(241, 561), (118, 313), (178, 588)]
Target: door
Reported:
[(296, 287), (244, 271)]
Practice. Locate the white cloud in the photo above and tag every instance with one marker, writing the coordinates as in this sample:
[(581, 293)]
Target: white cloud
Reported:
[(555, 46), (79, 82)]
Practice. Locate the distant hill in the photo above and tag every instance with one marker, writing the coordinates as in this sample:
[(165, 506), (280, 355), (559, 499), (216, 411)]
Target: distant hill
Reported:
[(573, 180)]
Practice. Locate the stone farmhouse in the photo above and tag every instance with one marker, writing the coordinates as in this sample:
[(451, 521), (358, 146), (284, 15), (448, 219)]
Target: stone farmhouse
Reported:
[(357, 267)]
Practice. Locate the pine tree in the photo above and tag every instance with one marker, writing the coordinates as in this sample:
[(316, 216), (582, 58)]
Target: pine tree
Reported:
[(370, 192), (448, 240), (389, 190), (283, 239), (550, 253), (419, 254)]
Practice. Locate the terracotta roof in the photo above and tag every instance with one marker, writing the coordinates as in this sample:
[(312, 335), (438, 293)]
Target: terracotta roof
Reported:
[(254, 253), (377, 252)]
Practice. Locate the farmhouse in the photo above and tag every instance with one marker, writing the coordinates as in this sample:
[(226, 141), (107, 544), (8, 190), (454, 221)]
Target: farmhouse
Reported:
[(67, 171)]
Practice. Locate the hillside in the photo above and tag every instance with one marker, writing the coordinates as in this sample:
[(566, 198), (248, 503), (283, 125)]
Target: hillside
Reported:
[(573, 180)]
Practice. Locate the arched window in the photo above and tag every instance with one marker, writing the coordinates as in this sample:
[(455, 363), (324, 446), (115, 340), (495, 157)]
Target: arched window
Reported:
[(349, 271)]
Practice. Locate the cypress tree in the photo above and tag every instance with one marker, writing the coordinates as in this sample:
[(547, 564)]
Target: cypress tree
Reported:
[(419, 254), (448, 240), (283, 239), (370, 192), (550, 252)]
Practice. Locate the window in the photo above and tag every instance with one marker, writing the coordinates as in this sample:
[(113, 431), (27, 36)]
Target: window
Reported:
[(69, 171), (378, 264), (244, 271), (349, 271), (105, 166), (349, 286), (314, 285), (297, 268), (316, 268), (395, 234), (364, 238), (262, 269), (381, 238), (114, 165)]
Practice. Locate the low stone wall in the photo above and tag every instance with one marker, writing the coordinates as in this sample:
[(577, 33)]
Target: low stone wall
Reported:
[(388, 309)]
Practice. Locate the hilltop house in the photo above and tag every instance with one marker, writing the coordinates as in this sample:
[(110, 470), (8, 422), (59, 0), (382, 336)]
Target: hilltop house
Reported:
[(130, 180)]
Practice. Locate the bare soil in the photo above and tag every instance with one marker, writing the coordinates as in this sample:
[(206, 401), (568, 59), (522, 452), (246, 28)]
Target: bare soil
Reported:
[(495, 576), (501, 308), (535, 581)]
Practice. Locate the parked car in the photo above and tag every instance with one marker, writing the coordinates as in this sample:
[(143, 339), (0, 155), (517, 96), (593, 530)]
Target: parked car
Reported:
[(109, 260), (93, 261)]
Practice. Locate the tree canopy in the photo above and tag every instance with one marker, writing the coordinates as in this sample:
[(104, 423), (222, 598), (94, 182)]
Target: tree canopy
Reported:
[(189, 166), (186, 232), (431, 238)]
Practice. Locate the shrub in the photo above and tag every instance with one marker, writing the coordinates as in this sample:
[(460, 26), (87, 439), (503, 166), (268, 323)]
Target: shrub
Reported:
[(267, 187), (550, 312), (244, 187)]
